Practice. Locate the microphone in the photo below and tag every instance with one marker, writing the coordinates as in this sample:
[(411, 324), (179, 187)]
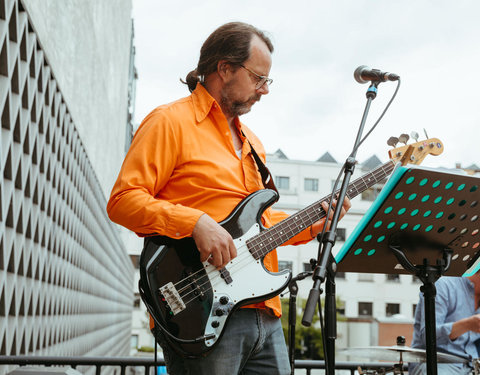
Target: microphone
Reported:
[(364, 74)]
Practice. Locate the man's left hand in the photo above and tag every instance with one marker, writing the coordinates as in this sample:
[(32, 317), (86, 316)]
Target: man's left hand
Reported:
[(317, 227)]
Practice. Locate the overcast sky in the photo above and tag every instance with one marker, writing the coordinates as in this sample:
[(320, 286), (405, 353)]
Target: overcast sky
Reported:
[(314, 104)]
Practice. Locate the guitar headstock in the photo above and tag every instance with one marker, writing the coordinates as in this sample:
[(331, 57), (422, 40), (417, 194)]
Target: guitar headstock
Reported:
[(414, 153)]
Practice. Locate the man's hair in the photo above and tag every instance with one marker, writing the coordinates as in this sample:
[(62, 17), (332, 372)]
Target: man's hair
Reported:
[(229, 42)]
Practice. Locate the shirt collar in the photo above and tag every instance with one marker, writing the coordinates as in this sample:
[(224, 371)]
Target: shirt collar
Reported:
[(202, 102)]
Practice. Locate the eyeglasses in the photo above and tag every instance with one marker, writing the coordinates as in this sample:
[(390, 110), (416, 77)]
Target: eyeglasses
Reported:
[(261, 80)]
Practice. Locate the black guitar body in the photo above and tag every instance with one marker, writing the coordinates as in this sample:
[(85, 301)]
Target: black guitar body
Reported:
[(194, 309)]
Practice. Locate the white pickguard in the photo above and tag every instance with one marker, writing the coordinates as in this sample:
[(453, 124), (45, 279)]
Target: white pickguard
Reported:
[(250, 280)]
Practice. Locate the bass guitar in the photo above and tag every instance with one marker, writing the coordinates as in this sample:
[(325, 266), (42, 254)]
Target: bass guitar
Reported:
[(191, 301)]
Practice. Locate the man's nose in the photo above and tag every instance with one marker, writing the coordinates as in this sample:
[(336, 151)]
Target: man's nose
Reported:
[(264, 90)]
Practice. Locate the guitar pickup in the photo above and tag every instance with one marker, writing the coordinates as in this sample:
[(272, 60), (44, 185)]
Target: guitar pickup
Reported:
[(225, 275), (172, 298)]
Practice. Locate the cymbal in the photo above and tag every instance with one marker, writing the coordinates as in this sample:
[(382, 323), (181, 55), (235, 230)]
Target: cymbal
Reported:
[(399, 353)]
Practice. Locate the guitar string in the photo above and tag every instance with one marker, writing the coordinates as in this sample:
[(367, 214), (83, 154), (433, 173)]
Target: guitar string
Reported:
[(244, 257), (217, 275), (253, 250), (376, 173), (215, 278)]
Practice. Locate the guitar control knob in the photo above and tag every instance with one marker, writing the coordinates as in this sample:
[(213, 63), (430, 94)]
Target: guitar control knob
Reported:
[(215, 324), (224, 300), (219, 312)]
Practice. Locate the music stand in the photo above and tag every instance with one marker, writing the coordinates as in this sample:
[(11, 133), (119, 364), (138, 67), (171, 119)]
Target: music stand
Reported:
[(424, 222)]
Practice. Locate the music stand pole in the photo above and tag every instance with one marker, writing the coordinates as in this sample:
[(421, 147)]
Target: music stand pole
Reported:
[(429, 292), (428, 274)]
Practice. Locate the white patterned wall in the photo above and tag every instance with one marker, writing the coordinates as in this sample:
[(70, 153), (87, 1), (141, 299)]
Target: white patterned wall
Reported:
[(65, 277)]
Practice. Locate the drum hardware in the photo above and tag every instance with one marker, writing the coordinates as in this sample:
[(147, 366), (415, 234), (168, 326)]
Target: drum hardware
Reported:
[(369, 372), (397, 369), (399, 354), (476, 366)]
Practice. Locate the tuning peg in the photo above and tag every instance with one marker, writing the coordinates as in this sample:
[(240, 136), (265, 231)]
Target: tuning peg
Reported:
[(392, 141), (414, 135), (404, 138)]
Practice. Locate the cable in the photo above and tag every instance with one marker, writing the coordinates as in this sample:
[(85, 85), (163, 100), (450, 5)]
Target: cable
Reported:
[(379, 118)]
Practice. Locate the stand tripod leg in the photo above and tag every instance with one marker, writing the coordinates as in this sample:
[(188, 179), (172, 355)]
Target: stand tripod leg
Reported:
[(429, 292), (330, 322), (292, 319)]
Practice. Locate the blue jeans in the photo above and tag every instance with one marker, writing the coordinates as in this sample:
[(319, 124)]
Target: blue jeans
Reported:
[(443, 369), (253, 343)]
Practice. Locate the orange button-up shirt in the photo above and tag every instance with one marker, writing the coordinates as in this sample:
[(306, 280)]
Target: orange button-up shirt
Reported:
[(182, 164)]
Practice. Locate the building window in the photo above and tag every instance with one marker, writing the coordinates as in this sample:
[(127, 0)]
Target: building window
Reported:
[(307, 267), (414, 307), (416, 280), (393, 278), (285, 265), (365, 277), (341, 234), (341, 307), (392, 309), (134, 341), (340, 275), (365, 309), (371, 193), (282, 182), (311, 184)]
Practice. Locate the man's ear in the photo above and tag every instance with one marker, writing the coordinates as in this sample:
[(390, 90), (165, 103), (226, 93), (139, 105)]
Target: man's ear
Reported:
[(224, 68)]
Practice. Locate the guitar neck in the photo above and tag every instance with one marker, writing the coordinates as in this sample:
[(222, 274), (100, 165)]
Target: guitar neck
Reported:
[(264, 242)]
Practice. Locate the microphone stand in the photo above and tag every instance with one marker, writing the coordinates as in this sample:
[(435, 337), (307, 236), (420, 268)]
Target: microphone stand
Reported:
[(325, 260)]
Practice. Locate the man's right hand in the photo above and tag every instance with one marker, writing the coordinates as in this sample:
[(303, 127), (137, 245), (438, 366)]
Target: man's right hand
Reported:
[(472, 323), (213, 242)]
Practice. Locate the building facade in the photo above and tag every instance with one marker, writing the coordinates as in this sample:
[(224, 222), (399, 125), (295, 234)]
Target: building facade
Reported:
[(65, 276)]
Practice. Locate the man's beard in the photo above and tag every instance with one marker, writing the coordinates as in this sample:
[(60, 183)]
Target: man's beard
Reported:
[(232, 107)]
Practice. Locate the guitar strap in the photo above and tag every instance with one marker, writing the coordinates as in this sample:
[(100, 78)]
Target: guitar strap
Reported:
[(267, 179)]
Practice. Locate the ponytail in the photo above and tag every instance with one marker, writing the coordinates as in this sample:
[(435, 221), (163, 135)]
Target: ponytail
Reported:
[(191, 80)]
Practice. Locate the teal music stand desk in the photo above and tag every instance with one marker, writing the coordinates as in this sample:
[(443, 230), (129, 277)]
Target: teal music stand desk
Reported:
[(424, 222)]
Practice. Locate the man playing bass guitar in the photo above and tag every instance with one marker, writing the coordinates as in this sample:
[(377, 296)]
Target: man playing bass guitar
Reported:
[(189, 165)]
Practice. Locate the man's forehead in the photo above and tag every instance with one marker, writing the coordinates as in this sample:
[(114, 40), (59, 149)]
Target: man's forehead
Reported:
[(259, 53)]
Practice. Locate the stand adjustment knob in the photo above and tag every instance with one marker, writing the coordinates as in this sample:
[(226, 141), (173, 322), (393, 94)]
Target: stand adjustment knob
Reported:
[(215, 324)]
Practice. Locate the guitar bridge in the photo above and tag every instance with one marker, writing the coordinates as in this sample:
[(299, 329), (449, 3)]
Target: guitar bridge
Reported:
[(173, 299)]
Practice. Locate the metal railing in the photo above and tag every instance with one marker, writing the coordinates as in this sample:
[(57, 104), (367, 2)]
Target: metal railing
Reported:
[(148, 363), (309, 365)]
